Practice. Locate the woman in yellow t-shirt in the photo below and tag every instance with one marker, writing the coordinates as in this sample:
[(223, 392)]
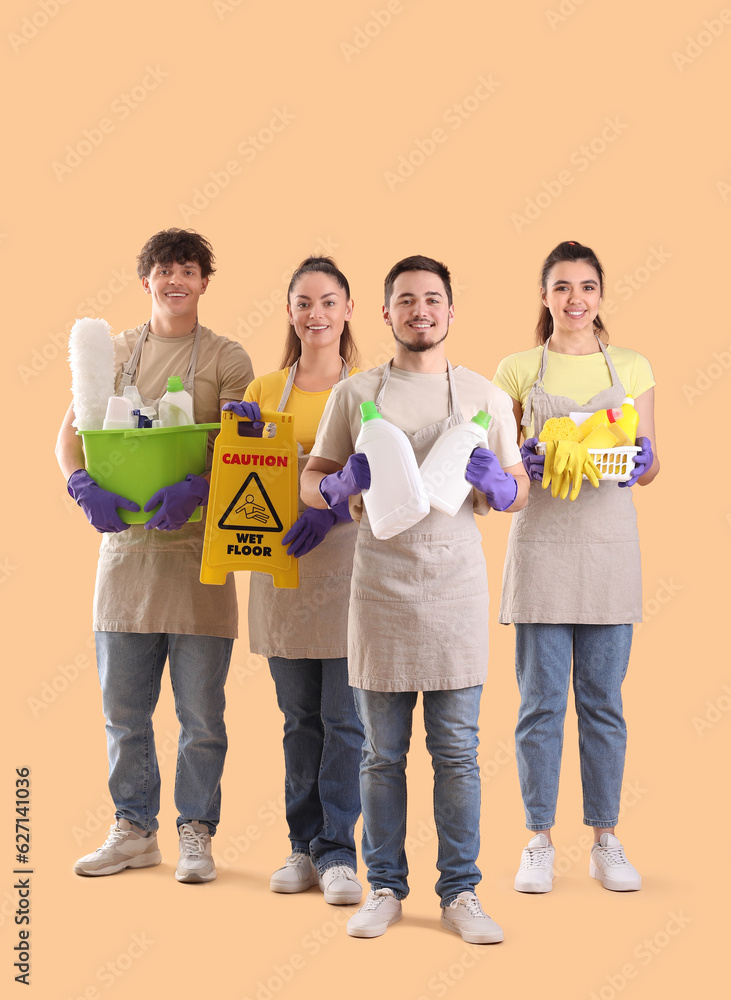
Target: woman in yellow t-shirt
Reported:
[(303, 632), (571, 583)]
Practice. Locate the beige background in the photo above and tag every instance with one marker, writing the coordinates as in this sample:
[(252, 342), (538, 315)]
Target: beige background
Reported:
[(156, 108)]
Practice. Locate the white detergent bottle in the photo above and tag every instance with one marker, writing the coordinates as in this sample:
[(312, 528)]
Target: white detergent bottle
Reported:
[(119, 414), (443, 469), (396, 499), (176, 406)]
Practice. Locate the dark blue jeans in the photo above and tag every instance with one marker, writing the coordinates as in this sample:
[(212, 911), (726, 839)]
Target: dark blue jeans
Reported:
[(323, 740)]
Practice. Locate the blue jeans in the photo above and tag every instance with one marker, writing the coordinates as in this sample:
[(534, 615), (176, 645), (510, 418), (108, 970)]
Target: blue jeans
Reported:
[(450, 719), (543, 665), (130, 670), (323, 740)]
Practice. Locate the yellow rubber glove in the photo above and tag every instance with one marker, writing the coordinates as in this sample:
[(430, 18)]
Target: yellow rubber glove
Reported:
[(572, 461), (550, 474)]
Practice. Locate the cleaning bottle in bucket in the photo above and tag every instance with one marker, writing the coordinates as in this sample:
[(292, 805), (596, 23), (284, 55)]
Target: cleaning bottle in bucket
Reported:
[(176, 406), (443, 469), (396, 499), (132, 393)]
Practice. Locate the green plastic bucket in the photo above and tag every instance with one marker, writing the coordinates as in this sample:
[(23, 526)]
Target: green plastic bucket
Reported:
[(137, 463)]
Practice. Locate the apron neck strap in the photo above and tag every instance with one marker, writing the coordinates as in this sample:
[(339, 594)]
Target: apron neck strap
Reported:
[(290, 382), (129, 370), (538, 384), (454, 407)]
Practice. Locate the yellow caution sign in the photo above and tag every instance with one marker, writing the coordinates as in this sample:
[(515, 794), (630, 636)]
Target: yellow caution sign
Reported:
[(253, 501)]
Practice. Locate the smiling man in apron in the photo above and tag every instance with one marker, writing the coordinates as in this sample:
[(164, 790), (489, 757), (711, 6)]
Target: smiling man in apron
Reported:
[(419, 601), (149, 605)]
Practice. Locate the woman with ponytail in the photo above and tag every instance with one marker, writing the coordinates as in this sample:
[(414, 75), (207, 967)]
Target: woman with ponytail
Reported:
[(572, 582), (303, 632)]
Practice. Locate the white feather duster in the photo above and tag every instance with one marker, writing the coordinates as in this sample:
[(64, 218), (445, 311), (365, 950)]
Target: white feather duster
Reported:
[(91, 356)]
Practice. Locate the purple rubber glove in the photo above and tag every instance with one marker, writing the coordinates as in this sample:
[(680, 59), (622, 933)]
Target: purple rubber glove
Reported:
[(485, 472), (250, 411), (643, 460), (349, 482), (308, 531), (533, 463), (99, 505), (178, 502)]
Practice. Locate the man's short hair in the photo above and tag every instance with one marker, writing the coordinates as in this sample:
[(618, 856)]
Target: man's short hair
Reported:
[(417, 263), (179, 245)]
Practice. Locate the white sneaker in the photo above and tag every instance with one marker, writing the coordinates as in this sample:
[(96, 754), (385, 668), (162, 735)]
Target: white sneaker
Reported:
[(125, 847), (196, 862), (380, 909), (297, 875), (340, 885), (536, 866), (608, 863), (465, 916)]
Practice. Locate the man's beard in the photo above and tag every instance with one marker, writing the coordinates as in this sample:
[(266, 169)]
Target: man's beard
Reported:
[(420, 346)]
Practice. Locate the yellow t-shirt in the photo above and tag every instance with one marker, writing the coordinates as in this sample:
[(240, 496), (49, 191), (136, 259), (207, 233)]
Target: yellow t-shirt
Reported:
[(578, 376), (306, 407)]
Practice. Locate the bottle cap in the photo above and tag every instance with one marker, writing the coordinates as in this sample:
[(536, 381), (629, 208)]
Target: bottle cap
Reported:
[(481, 418), (368, 411), (175, 383)]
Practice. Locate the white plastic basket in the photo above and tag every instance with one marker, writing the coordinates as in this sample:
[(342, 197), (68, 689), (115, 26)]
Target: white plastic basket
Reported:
[(615, 464)]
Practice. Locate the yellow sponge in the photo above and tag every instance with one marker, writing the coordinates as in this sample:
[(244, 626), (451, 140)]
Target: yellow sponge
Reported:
[(560, 429)]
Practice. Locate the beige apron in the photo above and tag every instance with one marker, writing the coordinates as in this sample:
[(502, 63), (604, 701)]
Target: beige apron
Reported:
[(418, 607), (310, 622), (148, 581), (574, 562)]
